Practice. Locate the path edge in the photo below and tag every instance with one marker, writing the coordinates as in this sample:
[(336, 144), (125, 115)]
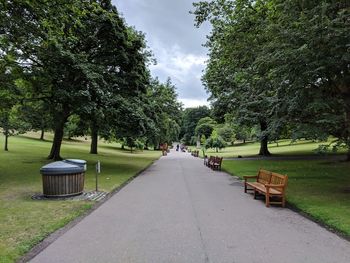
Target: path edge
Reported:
[(38, 248)]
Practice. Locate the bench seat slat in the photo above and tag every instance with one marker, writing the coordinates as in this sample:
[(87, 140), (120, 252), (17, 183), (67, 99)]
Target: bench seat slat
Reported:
[(272, 191)]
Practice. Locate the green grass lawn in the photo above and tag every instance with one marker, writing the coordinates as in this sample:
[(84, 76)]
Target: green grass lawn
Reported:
[(319, 188), (284, 147), (25, 222)]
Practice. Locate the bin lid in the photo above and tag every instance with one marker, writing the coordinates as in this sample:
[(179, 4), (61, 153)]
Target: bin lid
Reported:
[(76, 161), (61, 168)]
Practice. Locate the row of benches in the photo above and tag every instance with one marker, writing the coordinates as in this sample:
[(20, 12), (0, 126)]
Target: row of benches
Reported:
[(270, 184), (213, 162), (195, 153)]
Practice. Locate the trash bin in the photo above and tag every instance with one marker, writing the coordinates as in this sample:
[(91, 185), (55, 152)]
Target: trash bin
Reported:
[(62, 179), (79, 162)]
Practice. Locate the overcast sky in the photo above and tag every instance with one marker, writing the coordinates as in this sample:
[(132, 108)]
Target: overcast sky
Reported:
[(175, 42)]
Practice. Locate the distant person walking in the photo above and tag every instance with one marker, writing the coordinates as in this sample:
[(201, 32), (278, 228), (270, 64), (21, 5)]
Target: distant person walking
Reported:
[(177, 147)]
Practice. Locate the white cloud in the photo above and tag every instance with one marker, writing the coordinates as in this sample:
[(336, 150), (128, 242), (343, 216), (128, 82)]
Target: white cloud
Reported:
[(178, 64), (192, 103), (184, 69), (175, 42)]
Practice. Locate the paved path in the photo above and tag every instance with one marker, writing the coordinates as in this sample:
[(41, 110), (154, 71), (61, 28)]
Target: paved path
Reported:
[(180, 211)]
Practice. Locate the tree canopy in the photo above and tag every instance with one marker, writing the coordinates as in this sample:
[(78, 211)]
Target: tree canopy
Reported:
[(79, 65), (280, 63)]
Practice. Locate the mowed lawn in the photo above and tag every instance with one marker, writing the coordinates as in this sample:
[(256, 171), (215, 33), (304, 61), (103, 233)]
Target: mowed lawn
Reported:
[(25, 222), (319, 188)]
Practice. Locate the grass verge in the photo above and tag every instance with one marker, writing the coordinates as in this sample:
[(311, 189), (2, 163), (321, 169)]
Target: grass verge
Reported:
[(320, 189), (25, 222)]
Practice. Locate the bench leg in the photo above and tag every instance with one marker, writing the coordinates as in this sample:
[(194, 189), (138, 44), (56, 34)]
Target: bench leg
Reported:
[(267, 200), (254, 194), (283, 201)]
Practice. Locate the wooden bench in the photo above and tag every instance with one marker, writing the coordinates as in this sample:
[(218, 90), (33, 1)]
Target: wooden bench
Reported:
[(269, 184), (211, 161), (216, 165), (208, 161), (205, 160), (195, 153)]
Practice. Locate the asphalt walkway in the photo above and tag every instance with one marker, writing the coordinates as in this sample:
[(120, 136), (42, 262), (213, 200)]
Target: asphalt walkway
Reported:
[(180, 211)]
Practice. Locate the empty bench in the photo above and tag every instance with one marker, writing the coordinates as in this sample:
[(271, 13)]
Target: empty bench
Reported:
[(269, 184)]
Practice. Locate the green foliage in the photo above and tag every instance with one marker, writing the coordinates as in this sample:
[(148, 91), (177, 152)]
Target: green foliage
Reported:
[(76, 58), (203, 139), (205, 126), (226, 133), (190, 118), (71, 128), (163, 113), (215, 141)]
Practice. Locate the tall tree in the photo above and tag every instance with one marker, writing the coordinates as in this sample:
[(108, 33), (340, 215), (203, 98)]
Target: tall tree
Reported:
[(10, 92), (309, 60), (281, 63), (164, 111), (231, 76), (83, 51), (190, 118)]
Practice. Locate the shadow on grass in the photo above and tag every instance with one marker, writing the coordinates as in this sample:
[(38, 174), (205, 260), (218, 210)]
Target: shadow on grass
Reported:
[(290, 143), (34, 138)]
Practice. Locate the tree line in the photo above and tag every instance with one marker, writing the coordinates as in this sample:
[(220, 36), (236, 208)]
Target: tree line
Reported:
[(76, 68), (202, 127), (280, 64)]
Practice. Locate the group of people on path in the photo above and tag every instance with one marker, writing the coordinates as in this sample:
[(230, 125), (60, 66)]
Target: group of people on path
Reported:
[(181, 146)]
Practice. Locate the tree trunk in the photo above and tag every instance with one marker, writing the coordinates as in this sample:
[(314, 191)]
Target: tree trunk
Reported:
[(56, 144), (42, 134), (347, 123), (94, 139), (57, 139), (264, 151), (6, 140), (345, 92)]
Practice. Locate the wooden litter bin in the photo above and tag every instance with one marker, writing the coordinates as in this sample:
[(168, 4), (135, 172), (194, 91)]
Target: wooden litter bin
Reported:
[(62, 179)]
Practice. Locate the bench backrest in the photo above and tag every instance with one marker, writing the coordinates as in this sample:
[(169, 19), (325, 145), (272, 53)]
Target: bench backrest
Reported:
[(264, 176), (218, 160), (279, 179)]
